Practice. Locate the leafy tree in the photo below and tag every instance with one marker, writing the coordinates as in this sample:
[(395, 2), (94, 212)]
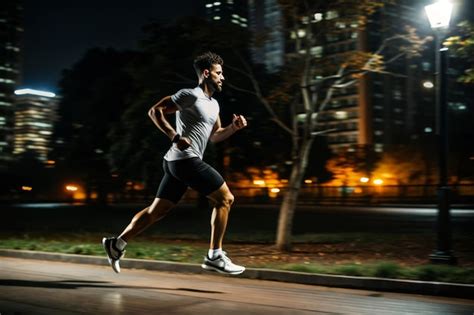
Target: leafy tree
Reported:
[(402, 165), (308, 82), (94, 93), (462, 53), (463, 47)]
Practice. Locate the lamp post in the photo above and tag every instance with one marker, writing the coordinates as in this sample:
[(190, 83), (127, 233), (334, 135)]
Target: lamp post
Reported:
[(439, 15)]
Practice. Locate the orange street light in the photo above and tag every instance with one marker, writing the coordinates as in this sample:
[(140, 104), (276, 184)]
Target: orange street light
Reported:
[(378, 182), (71, 188), (259, 182)]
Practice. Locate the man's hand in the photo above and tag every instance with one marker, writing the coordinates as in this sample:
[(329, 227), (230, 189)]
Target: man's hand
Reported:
[(238, 122), (183, 143)]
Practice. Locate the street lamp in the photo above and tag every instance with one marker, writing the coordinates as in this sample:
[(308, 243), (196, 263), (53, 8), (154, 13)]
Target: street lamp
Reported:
[(439, 15)]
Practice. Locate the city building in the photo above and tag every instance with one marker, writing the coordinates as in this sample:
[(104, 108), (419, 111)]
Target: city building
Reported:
[(379, 110), (265, 22), (227, 11), (35, 115), (11, 31)]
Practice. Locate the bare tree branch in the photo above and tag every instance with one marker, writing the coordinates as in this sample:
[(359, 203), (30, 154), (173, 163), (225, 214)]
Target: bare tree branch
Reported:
[(258, 93)]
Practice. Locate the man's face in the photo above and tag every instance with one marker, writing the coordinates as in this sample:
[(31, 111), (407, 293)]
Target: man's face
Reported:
[(216, 77)]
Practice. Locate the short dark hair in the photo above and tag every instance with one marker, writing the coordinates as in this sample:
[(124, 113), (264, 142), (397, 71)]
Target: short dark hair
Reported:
[(206, 60)]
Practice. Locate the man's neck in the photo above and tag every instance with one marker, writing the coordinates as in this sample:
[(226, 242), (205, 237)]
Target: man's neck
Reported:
[(209, 91)]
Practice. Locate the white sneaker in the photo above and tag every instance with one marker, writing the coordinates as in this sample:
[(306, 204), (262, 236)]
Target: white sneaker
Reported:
[(113, 253), (222, 264)]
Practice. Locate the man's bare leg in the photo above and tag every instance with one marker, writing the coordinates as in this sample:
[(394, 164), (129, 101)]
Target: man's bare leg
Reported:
[(114, 246), (222, 199), (216, 260), (145, 218)]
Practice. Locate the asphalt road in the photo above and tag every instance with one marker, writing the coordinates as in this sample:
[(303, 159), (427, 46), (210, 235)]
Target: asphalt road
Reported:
[(39, 287)]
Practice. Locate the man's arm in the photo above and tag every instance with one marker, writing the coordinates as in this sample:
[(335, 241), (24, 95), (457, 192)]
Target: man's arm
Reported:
[(220, 134), (157, 114)]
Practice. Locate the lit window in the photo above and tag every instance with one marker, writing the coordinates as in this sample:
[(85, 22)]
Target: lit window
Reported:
[(317, 51), (340, 115), (217, 18), (331, 15)]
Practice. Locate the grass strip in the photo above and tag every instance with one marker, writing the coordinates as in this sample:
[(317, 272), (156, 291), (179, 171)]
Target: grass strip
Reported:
[(193, 253)]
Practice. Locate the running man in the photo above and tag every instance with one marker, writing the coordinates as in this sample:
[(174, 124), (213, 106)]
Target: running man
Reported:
[(197, 121)]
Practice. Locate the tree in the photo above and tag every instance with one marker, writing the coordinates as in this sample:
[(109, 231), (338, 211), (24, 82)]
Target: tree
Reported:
[(94, 93), (463, 47), (403, 165), (309, 81), (462, 57)]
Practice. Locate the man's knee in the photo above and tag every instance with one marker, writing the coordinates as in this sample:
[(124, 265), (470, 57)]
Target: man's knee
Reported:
[(226, 201)]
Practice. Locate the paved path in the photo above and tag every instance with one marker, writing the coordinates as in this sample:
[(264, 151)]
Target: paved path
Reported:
[(40, 287)]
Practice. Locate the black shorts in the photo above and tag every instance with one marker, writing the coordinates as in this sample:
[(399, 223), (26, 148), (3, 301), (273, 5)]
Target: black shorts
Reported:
[(192, 172)]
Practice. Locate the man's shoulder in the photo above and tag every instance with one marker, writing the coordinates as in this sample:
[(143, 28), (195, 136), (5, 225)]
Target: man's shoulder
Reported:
[(187, 91), (184, 98)]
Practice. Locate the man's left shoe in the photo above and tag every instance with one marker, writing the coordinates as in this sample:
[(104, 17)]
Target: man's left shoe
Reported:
[(222, 264), (113, 253)]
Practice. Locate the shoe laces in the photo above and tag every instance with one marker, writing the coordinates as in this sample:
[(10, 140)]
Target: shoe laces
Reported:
[(225, 258)]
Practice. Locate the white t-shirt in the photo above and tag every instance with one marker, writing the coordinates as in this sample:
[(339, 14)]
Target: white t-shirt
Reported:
[(195, 119)]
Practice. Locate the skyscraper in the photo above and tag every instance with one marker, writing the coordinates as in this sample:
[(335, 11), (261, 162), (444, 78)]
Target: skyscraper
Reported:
[(10, 38), (35, 115), (379, 110), (266, 23), (227, 11)]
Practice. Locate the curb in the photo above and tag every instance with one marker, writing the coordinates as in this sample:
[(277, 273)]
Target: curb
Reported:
[(364, 283)]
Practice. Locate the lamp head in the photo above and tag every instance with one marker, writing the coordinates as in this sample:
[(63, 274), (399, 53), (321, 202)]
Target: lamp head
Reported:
[(439, 13)]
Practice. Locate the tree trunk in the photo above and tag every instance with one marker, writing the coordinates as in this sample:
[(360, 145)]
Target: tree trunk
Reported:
[(287, 209)]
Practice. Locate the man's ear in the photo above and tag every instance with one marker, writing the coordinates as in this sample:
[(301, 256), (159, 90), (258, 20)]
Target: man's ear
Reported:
[(206, 73)]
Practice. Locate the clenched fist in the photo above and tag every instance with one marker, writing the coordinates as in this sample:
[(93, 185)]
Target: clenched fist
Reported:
[(238, 122)]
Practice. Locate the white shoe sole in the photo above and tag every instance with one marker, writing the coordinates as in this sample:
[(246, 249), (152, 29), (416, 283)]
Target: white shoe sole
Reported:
[(113, 263)]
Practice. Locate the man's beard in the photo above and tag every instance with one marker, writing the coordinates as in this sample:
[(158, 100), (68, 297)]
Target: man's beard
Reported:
[(216, 86)]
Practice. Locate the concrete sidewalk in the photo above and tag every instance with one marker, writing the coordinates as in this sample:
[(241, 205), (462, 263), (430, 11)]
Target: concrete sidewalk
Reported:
[(365, 283)]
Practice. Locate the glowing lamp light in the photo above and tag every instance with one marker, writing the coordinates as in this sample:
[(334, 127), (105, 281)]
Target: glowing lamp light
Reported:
[(364, 179), (439, 13), (275, 190), (26, 188), (378, 182), (428, 85), (259, 182), (308, 181), (34, 92), (71, 188)]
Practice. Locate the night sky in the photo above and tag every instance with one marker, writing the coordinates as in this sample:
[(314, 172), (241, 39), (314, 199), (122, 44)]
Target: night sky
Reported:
[(57, 33)]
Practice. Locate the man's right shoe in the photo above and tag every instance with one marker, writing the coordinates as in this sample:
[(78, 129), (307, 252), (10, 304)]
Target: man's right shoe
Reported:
[(113, 253), (222, 264)]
